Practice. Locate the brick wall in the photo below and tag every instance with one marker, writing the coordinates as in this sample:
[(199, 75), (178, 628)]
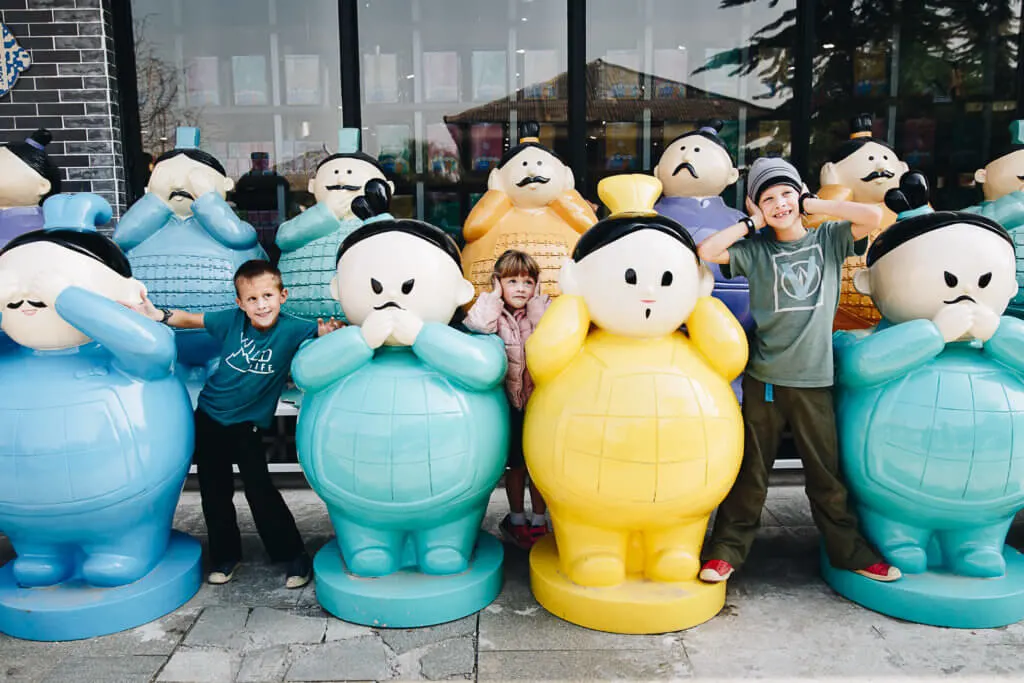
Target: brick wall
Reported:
[(70, 89)]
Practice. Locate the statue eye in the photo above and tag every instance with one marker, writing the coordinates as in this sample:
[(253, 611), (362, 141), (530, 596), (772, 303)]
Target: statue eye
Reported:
[(696, 149), (407, 286), (350, 171), (951, 279), (871, 158), (984, 280), (525, 163), (666, 278), (376, 286), (630, 276)]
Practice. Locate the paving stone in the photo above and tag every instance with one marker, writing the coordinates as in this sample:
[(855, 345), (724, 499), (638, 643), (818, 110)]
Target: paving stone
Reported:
[(200, 666), (158, 637), (342, 630), (269, 627), (451, 658), (361, 659), (219, 627), (402, 640), (628, 665), (264, 666), (123, 669)]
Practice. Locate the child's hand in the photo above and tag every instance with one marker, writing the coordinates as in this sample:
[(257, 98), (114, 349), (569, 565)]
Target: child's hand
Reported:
[(756, 213), (377, 327), (407, 327), (145, 307), (326, 327), (496, 287)]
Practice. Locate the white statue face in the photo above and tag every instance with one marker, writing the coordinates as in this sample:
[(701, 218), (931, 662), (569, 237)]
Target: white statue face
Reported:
[(21, 185), (1002, 176), (945, 267), (695, 167), (643, 285), (31, 278), (396, 269), (533, 178), (870, 172), (179, 181), (340, 181)]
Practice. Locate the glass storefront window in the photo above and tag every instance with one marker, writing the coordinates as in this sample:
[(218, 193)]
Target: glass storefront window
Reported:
[(445, 85), (658, 68), (939, 80), (261, 79)]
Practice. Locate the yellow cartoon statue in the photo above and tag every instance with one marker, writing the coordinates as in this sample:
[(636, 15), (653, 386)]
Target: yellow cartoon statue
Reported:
[(633, 434), (861, 170), (531, 205)]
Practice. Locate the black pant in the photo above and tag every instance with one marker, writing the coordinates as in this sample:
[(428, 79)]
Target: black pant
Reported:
[(217, 446)]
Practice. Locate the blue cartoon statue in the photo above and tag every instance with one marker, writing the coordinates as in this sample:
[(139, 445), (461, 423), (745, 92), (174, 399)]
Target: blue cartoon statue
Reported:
[(29, 177), (403, 431), (185, 243), (928, 406), (1002, 181), (309, 242), (98, 437)]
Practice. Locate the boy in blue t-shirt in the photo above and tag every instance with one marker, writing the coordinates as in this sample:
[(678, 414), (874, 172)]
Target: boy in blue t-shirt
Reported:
[(239, 399)]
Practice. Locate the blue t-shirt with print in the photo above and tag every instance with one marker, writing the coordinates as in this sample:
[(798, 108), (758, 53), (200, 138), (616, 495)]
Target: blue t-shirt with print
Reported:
[(253, 366)]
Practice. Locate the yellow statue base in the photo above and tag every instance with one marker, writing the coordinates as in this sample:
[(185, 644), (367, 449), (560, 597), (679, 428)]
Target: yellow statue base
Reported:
[(636, 606)]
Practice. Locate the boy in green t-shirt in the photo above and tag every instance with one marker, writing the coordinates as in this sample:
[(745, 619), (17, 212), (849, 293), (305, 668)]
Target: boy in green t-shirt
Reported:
[(794, 276), (238, 400)]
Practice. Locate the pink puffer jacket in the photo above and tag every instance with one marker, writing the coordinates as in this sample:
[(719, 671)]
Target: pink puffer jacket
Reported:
[(489, 315)]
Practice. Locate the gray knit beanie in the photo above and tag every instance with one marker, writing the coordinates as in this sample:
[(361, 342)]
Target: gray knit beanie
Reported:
[(767, 172)]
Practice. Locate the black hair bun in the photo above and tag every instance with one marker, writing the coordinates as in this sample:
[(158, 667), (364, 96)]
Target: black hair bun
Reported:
[(911, 194), (42, 136), (375, 200), (862, 123), (529, 129)]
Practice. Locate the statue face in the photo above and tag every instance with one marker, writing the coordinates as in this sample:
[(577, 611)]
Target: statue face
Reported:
[(643, 285), (870, 172), (340, 181), (179, 181), (1002, 176), (952, 266), (21, 185), (399, 270), (533, 178), (695, 167), (31, 278)]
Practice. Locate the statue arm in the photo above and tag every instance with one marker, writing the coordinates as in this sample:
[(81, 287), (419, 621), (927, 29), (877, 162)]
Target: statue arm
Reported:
[(1007, 344), (886, 354), (323, 361), (141, 221), (216, 216), (1008, 210), (558, 338), (141, 348), (309, 225), (478, 361), (491, 208), (719, 337), (574, 210)]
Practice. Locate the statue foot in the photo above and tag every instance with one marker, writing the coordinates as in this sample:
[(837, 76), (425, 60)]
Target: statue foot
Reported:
[(372, 562), (673, 565), (984, 563), (911, 559), (598, 570), (36, 571), (108, 570), (443, 560)]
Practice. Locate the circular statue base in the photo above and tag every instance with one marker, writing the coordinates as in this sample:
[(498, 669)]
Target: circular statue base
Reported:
[(636, 606), (937, 598), (74, 610), (408, 599)]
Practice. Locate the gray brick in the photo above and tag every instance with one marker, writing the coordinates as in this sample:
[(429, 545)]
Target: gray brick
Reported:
[(87, 121), (89, 147), (126, 669), (89, 95), (90, 174), (200, 666), (452, 658), (98, 160), (59, 83), (78, 16), (53, 4), (77, 42), (93, 56), (43, 70), (53, 28), (91, 69), (62, 109), (34, 43), (358, 659), (13, 5), (99, 83), (96, 108), (54, 56), (27, 109), (32, 16), (91, 29), (21, 94), (265, 665), (88, 3), (31, 122), (100, 133), (104, 186)]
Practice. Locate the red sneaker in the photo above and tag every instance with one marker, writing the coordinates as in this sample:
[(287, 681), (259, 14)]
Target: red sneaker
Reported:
[(880, 571), (716, 571), (516, 534), (537, 532)]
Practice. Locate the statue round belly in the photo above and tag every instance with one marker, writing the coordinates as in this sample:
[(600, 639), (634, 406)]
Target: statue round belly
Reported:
[(549, 248), (307, 273)]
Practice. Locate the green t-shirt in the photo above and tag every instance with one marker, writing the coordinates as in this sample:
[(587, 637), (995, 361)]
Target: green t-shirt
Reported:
[(253, 366), (794, 293)]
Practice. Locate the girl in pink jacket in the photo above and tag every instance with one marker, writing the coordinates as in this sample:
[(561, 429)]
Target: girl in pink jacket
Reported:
[(512, 310)]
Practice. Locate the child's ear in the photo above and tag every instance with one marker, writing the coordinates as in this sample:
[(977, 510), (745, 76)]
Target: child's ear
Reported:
[(568, 278), (284, 294)]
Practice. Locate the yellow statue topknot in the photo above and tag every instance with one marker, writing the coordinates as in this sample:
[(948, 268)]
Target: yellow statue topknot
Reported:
[(631, 194)]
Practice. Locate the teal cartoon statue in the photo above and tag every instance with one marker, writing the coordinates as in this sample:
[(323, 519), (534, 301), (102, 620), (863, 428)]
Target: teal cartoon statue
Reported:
[(309, 242), (928, 407), (403, 430), (185, 243), (1002, 181)]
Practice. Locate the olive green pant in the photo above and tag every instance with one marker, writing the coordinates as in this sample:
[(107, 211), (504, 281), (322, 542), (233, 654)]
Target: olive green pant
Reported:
[(811, 417)]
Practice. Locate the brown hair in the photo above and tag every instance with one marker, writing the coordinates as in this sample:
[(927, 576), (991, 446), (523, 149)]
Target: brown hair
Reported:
[(513, 263), (254, 268)]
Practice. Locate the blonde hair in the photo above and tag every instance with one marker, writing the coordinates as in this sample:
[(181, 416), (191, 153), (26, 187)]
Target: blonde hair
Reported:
[(513, 263)]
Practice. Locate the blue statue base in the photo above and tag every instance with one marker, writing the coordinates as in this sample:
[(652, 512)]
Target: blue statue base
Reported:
[(75, 610), (408, 599), (937, 598)]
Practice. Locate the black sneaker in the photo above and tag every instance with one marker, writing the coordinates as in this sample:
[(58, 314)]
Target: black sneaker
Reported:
[(300, 571), (222, 572)]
